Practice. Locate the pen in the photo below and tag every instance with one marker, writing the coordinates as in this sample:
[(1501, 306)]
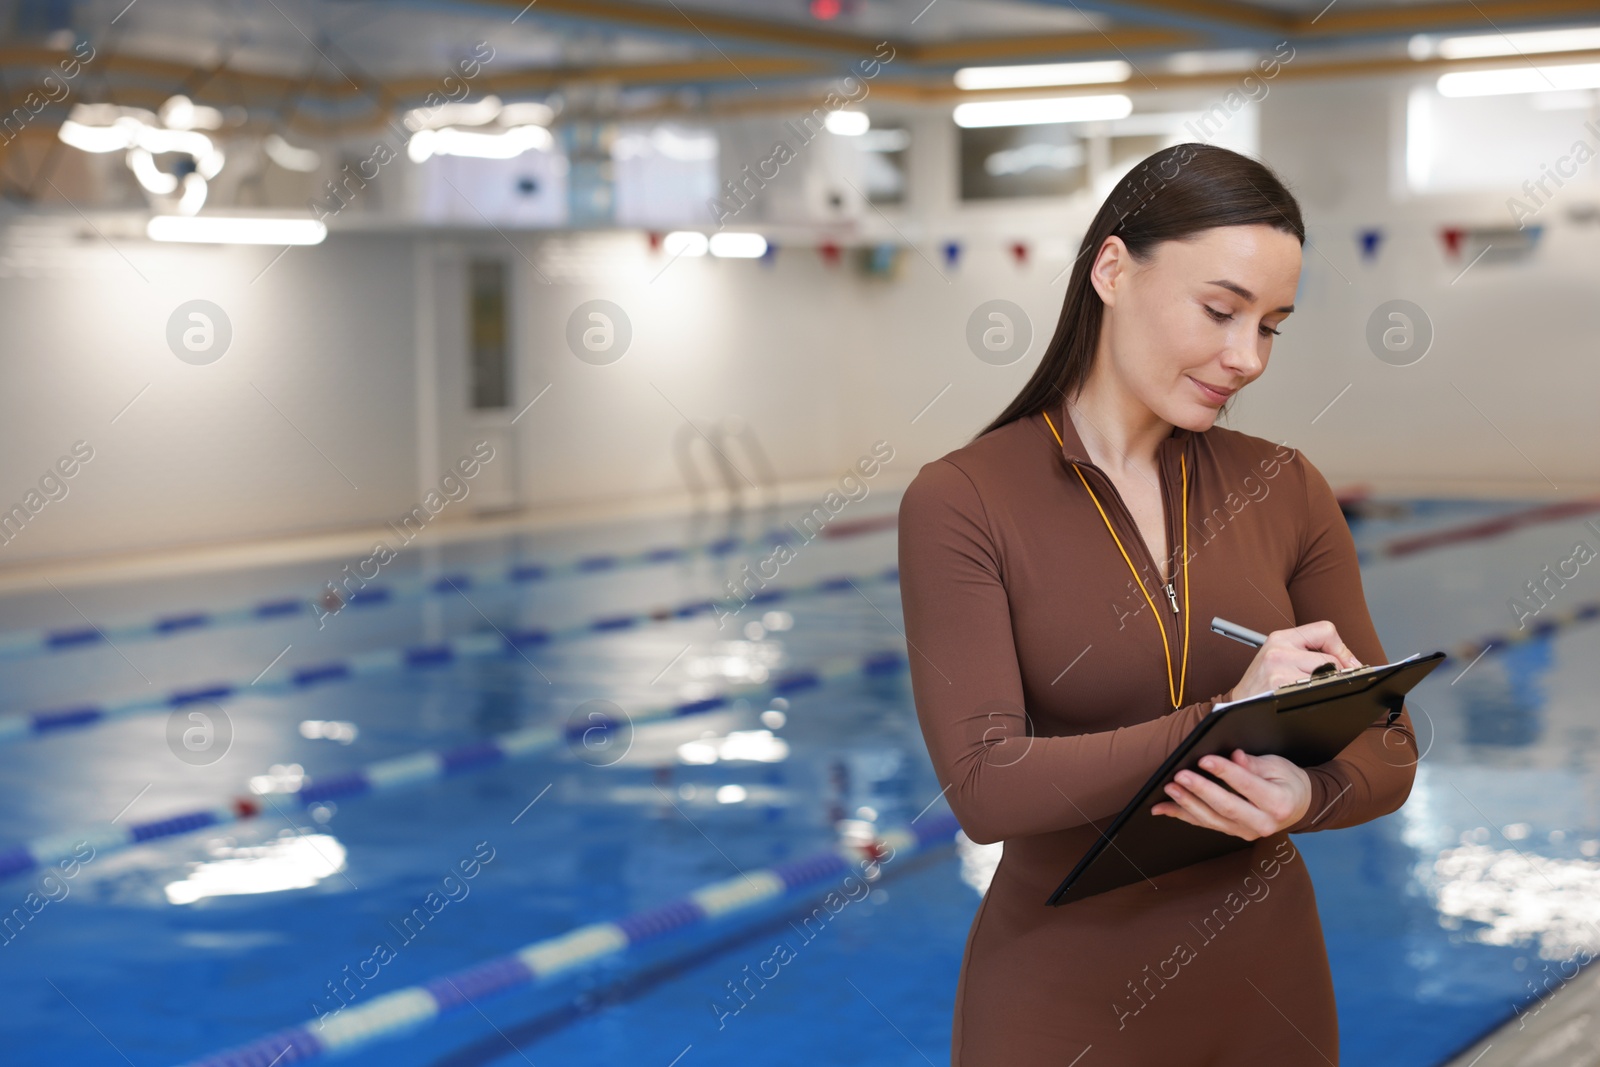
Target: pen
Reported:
[(1245, 635), (1242, 634)]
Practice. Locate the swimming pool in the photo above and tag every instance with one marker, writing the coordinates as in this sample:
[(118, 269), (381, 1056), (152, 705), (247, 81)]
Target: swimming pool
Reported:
[(1440, 919)]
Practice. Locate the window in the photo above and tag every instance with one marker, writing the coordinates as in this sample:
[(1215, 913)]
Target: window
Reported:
[(665, 174), (1006, 161), (1459, 144), (487, 334), (884, 150)]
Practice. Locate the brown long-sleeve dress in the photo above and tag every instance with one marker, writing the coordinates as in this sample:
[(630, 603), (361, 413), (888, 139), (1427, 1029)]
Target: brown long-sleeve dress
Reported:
[(1042, 692)]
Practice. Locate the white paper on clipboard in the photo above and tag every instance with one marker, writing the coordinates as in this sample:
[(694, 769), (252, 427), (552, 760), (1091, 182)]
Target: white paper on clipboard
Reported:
[(1300, 687)]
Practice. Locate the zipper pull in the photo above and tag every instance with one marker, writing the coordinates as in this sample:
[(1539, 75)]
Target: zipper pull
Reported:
[(1173, 597)]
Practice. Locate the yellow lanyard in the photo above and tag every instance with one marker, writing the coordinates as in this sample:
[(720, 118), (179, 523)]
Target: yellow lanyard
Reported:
[(1174, 695)]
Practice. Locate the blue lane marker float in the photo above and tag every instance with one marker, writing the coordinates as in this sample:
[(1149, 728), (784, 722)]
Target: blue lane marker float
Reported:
[(429, 765), (406, 1009), (29, 642), (16, 726)]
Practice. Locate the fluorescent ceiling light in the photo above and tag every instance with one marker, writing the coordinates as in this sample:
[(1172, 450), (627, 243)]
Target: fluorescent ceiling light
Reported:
[(738, 245), (1509, 80), (1021, 77), (527, 112), (454, 114), (99, 128), (289, 157), (194, 194), (685, 243), (1036, 112), (181, 113), (216, 229), (847, 123), (1512, 44), (501, 144), (479, 113), (155, 180), (88, 138)]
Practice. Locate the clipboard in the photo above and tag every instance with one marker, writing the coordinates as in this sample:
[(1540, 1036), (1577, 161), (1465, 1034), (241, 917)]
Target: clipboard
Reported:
[(1307, 722)]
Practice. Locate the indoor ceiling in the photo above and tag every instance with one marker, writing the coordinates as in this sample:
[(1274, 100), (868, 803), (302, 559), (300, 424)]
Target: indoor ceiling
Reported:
[(329, 66)]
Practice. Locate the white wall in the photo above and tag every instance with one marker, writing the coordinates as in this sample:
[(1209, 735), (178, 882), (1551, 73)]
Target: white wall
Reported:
[(1507, 393), (202, 454)]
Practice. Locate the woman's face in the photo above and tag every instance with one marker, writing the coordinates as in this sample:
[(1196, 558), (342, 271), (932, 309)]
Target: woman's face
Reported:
[(1198, 316)]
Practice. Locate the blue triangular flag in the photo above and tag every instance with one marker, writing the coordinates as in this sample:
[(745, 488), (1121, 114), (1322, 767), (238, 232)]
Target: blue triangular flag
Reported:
[(1370, 239)]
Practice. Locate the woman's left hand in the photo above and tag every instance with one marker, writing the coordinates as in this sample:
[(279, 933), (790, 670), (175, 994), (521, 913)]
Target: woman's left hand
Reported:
[(1269, 794)]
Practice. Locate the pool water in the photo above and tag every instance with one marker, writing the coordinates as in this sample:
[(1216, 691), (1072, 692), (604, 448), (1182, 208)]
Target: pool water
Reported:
[(1441, 919)]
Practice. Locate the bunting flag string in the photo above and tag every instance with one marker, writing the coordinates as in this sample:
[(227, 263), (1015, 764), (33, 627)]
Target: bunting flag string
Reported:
[(1491, 244), (880, 260), (1370, 240)]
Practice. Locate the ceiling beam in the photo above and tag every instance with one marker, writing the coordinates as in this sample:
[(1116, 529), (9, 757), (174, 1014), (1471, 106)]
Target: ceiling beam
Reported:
[(703, 26), (1192, 14), (921, 75), (943, 93), (1341, 18), (969, 51), (713, 69), (159, 78), (930, 93), (1486, 16)]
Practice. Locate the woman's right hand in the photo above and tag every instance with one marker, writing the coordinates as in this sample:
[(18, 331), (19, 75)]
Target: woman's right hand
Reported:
[(1290, 655)]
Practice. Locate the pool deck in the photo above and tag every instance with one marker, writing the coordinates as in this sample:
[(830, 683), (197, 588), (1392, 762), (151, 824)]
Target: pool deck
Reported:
[(1563, 1030)]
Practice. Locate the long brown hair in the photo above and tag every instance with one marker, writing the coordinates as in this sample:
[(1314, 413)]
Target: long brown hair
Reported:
[(1171, 194)]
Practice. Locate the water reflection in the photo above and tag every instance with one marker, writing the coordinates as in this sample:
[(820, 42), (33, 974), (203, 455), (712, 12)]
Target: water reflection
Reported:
[(1519, 897), (1502, 704), (291, 862)]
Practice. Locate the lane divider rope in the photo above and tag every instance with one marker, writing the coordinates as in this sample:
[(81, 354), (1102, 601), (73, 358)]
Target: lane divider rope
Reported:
[(20, 725), (1482, 530), (428, 765), (32, 642), (18, 643), (406, 1009)]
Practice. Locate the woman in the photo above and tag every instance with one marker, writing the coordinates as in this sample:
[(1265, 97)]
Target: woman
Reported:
[(1054, 572)]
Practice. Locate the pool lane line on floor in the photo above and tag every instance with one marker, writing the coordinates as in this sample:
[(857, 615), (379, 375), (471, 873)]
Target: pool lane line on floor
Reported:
[(22, 643), (394, 1013), (372, 594), (429, 765), (16, 726)]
